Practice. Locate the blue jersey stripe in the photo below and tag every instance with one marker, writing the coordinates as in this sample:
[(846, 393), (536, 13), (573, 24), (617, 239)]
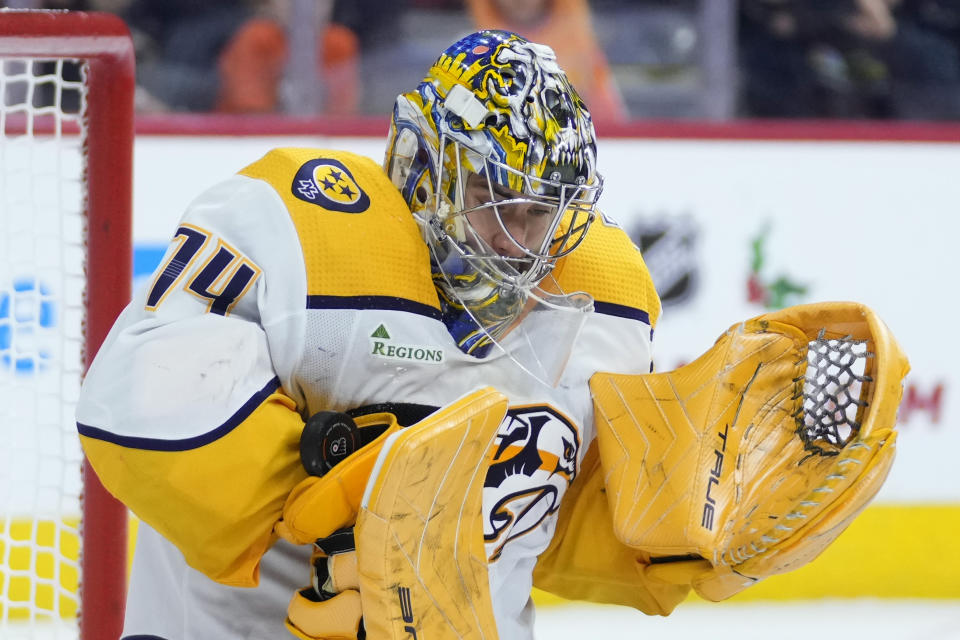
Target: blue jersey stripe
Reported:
[(621, 311), (184, 444), (387, 303)]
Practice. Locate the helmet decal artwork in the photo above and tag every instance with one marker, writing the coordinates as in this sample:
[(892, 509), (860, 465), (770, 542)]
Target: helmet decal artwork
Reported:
[(495, 155)]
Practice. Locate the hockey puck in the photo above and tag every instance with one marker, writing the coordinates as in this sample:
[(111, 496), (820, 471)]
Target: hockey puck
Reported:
[(328, 438)]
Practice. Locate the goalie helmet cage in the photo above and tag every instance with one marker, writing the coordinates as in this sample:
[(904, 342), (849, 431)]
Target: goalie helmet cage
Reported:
[(66, 151)]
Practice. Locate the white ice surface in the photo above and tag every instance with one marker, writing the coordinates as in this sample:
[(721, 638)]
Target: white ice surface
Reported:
[(802, 620)]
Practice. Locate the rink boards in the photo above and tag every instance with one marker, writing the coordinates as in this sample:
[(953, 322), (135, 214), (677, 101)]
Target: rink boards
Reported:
[(890, 551)]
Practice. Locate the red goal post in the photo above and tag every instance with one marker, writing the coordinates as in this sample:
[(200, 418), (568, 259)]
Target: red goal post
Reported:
[(38, 568)]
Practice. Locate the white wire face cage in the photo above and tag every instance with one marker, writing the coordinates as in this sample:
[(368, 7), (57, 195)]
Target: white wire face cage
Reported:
[(512, 237), (495, 155)]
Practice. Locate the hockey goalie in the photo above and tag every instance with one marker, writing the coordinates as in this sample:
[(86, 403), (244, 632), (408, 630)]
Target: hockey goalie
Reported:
[(363, 401), (741, 465)]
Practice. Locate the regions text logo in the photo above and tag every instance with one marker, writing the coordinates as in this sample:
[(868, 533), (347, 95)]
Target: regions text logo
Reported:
[(381, 346)]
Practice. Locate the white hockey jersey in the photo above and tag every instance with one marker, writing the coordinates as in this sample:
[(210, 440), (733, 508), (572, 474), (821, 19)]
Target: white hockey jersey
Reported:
[(302, 284)]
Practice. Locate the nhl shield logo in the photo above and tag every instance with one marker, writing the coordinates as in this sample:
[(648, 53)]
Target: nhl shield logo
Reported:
[(327, 183), (669, 247)]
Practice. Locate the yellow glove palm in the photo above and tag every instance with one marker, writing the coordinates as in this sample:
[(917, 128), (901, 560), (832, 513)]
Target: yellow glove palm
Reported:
[(750, 460)]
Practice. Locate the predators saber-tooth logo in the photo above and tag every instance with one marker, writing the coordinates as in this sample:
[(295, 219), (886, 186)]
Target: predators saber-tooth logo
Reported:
[(534, 460)]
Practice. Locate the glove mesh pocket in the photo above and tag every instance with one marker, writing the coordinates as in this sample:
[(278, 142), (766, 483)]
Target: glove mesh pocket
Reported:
[(835, 389)]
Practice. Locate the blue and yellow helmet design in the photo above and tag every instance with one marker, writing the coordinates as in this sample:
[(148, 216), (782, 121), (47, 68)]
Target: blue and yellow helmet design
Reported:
[(494, 109)]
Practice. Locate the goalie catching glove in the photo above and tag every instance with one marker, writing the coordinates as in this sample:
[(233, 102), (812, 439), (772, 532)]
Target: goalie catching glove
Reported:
[(752, 459)]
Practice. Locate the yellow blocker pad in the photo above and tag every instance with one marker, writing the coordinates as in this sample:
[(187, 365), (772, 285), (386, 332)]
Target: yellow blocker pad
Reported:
[(316, 508), (752, 459), (419, 538)]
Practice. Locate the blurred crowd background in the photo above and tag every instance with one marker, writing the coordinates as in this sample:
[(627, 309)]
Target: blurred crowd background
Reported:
[(630, 59)]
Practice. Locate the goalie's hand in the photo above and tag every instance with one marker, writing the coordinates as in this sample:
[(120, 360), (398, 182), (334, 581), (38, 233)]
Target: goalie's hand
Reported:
[(329, 609), (338, 452), (414, 508)]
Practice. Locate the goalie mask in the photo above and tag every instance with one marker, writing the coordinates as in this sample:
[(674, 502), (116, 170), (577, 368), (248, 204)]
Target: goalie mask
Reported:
[(494, 153)]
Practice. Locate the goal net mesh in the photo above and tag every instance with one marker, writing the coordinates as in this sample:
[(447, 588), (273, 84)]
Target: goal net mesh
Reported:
[(42, 292)]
